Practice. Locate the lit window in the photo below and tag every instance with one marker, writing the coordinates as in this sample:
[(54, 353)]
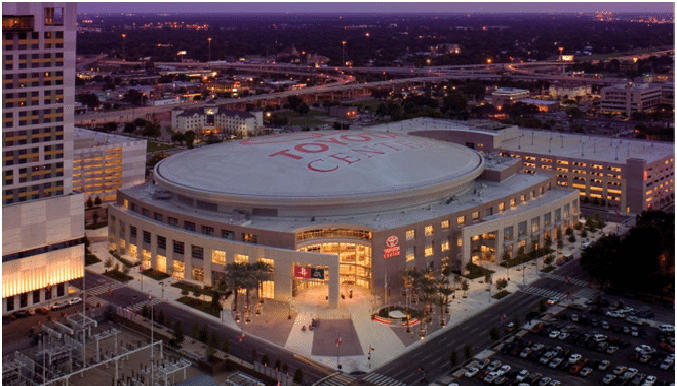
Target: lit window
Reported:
[(460, 220), (429, 230), (445, 245), (411, 234), (218, 257), (444, 224), (475, 215), (411, 253), (501, 206), (241, 258), (459, 241), (513, 203), (429, 249)]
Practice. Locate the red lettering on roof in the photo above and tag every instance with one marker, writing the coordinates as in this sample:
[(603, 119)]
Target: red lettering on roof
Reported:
[(317, 169), (303, 147), (285, 153), (345, 157)]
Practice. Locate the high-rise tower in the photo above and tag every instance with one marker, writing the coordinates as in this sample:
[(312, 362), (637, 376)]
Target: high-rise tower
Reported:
[(42, 219)]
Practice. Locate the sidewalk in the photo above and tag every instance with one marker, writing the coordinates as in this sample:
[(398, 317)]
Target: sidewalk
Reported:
[(281, 323)]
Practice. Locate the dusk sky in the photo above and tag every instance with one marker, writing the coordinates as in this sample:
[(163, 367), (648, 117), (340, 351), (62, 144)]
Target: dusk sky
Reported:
[(372, 7)]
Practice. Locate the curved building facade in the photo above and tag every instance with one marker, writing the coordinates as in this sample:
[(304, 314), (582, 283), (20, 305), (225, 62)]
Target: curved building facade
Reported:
[(334, 208)]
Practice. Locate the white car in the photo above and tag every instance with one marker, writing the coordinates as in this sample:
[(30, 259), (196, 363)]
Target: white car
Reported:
[(574, 358), (74, 301), (612, 350), (630, 373), (603, 365), (471, 372), (649, 380), (608, 378), (644, 349), (554, 334), (504, 369), (495, 364), (563, 336), (522, 375), (667, 363), (666, 328)]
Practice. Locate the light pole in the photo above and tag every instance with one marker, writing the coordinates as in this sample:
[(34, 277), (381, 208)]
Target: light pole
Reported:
[(162, 285), (210, 49), (344, 53), (123, 46)]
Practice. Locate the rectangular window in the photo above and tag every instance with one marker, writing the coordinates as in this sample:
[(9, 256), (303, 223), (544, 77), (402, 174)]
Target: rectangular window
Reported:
[(501, 206), (157, 216), (146, 237), (209, 231), (198, 274), (512, 203), (197, 252), (178, 247), (249, 238), (444, 225), (429, 230), (243, 259), (535, 224), (161, 242), (488, 212), (218, 257), (411, 253), (566, 210), (459, 241), (508, 233), (227, 234), (460, 220), (445, 245), (429, 248), (523, 198), (189, 226), (132, 232), (411, 234), (558, 214), (173, 222), (475, 216), (521, 229), (547, 219)]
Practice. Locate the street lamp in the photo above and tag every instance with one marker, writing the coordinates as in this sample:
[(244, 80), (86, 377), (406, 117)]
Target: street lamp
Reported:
[(344, 53), (123, 46), (210, 49)]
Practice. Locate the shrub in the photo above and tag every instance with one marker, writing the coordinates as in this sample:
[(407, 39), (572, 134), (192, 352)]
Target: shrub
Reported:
[(467, 350), (494, 334), (298, 377), (501, 295)]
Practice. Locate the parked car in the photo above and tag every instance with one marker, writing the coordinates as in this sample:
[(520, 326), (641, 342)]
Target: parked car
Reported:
[(522, 375), (21, 314), (59, 305), (667, 363), (665, 346), (649, 380), (42, 310), (553, 334), (471, 372), (74, 301), (544, 381), (574, 358), (495, 364), (644, 358), (667, 328), (619, 370), (605, 325), (612, 350), (585, 371), (608, 379), (630, 373), (603, 365)]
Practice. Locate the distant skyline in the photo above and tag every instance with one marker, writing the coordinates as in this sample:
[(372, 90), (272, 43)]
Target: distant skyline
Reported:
[(373, 7)]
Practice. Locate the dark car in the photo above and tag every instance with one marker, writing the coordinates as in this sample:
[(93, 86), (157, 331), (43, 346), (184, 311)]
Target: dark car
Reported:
[(6, 319), (21, 314), (42, 310)]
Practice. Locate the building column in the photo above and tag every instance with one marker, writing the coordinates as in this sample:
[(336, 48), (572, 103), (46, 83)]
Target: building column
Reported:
[(207, 265), (334, 285), (153, 251)]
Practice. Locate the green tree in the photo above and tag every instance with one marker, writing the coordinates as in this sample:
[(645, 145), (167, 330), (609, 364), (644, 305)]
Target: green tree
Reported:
[(298, 377), (265, 360), (178, 332), (152, 129), (542, 306), (254, 356), (212, 344), (130, 128), (452, 358), (465, 287), (501, 284), (97, 201), (494, 334), (110, 127), (89, 203), (190, 138), (215, 304), (467, 350)]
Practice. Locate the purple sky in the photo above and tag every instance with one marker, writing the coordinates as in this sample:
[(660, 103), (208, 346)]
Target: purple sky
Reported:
[(372, 7)]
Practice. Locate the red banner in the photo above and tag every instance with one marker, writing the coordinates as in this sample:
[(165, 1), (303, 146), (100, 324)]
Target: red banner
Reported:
[(302, 273)]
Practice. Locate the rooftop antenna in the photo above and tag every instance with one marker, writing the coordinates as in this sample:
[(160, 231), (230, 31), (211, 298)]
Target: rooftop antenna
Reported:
[(519, 145), (617, 148), (550, 145), (582, 148), (562, 138), (594, 145), (532, 138)]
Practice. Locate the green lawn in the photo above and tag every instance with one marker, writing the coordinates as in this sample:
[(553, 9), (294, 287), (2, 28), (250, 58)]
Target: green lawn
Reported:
[(153, 146), (117, 275), (501, 294), (198, 304), (311, 120), (155, 274), (190, 288)]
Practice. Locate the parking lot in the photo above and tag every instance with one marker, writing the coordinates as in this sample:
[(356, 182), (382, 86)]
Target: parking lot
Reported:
[(562, 347)]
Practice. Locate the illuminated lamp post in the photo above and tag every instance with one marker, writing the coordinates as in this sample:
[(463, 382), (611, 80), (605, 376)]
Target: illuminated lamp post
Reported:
[(210, 49), (123, 46), (344, 53)]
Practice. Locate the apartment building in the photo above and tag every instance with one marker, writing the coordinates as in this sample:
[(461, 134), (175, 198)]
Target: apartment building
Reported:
[(43, 218), (630, 98)]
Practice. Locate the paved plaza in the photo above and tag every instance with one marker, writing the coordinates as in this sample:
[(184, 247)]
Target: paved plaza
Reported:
[(282, 323)]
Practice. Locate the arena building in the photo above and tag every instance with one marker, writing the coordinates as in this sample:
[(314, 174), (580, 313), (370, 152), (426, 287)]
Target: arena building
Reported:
[(338, 208)]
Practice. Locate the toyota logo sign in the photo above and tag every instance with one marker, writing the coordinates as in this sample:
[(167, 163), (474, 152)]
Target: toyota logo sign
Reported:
[(391, 241)]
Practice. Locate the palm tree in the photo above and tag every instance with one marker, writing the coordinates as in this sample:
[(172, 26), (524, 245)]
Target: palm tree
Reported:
[(235, 273), (457, 280), (465, 287)]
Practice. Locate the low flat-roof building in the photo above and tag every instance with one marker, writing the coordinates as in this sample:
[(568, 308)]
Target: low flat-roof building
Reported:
[(631, 98), (627, 175), (504, 95)]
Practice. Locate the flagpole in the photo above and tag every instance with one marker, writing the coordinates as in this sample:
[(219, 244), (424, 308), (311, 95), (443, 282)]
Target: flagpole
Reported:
[(152, 341)]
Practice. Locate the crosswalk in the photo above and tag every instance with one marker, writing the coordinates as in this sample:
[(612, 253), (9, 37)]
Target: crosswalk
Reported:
[(382, 380), (102, 289), (543, 292), (137, 307), (336, 379), (571, 280), (587, 293)]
